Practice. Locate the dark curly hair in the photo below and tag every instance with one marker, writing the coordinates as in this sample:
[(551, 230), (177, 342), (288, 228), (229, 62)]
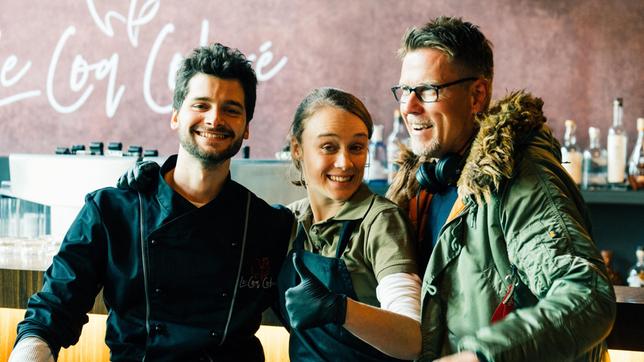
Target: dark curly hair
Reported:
[(222, 62)]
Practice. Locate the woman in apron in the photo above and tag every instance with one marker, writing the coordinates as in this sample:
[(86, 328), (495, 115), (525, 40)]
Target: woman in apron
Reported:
[(349, 289)]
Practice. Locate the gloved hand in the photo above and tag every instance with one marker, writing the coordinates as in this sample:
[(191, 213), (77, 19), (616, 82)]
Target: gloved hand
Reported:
[(142, 177), (310, 303)]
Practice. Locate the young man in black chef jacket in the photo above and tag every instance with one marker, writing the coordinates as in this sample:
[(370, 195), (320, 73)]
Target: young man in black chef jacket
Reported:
[(187, 268)]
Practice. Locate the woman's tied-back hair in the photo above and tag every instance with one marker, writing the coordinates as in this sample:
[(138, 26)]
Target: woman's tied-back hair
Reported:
[(462, 41), (222, 62), (326, 97)]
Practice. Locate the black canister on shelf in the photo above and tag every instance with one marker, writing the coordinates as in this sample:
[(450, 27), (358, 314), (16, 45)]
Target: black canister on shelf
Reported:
[(150, 153), (134, 150), (62, 150), (96, 148), (78, 149)]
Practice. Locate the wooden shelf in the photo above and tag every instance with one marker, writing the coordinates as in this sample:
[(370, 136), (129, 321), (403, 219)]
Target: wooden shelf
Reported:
[(629, 295)]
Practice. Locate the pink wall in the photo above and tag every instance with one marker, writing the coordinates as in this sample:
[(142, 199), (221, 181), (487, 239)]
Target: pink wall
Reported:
[(576, 55)]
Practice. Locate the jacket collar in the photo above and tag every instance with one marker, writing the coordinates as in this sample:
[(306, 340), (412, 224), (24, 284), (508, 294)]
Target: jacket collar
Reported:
[(355, 208), (173, 202)]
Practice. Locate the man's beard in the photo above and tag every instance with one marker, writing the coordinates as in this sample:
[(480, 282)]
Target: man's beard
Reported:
[(426, 150), (211, 158)]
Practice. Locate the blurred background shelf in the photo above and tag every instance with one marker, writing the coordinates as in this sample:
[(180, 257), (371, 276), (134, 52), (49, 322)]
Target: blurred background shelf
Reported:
[(617, 225), (614, 197)]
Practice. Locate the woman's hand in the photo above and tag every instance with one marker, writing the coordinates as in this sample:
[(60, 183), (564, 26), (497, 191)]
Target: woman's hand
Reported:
[(311, 303)]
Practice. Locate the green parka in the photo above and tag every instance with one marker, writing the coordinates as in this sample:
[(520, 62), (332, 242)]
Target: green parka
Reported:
[(519, 217)]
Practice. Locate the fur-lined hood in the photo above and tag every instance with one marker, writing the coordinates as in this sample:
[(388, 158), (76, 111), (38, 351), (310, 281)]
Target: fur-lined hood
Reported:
[(508, 124)]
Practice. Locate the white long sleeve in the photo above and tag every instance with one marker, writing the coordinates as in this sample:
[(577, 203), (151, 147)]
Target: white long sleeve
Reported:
[(31, 349), (400, 293)]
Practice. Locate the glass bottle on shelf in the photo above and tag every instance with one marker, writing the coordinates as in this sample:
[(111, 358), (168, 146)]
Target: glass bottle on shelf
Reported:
[(396, 138), (570, 155), (613, 276), (376, 170), (636, 274), (636, 161), (616, 147), (594, 163)]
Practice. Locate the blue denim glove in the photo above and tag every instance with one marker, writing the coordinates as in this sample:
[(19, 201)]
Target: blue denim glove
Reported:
[(310, 303), (142, 177)]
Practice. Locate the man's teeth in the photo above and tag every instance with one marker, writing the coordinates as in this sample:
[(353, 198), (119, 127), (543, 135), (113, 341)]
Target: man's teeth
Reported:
[(420, 127), (340, 178), (212, 135)]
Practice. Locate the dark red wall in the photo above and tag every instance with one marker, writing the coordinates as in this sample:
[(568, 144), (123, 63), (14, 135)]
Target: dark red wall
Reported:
[(576, 55)]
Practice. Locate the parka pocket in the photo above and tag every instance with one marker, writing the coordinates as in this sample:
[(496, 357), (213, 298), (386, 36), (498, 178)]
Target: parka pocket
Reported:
[(539, 252), (494, 280)]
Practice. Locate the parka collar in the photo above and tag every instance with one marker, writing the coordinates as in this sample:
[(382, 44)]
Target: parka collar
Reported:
[(508, 125)]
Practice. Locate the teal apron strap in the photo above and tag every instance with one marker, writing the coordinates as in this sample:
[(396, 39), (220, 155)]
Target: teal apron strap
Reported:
[(300, 236), (345, 236)]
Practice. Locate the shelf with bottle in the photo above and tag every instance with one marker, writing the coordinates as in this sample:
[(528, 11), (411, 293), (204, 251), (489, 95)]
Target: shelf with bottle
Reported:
[(376, 169), (617, 147), (611, 175), (571, 156), (593, 175), (397, 138), (627, 197), (636, 160), (635, 277)]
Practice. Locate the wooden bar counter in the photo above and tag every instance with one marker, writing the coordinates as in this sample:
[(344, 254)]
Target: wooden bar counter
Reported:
[(626, 340)]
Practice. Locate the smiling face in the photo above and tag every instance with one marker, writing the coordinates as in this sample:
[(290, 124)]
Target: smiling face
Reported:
[(212, 120), (332, 155), (446, 125)]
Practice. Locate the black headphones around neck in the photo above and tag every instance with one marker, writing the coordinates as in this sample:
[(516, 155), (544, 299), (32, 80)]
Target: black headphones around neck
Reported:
[(437, 176)]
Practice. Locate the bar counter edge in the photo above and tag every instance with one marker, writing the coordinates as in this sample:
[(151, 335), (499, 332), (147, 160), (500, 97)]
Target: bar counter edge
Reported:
[(627, 334)]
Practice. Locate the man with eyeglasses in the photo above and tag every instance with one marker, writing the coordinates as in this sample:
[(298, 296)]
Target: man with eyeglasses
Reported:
[(512, 273)]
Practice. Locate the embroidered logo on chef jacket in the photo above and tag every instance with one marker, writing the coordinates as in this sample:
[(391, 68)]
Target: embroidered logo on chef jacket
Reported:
[(260, 275)]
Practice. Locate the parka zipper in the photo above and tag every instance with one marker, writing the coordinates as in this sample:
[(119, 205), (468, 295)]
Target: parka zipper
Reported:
[(432, 288)]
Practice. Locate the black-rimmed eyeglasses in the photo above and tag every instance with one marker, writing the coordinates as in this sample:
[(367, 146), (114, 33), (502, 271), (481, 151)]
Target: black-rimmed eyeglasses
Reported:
[(426, 93)]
